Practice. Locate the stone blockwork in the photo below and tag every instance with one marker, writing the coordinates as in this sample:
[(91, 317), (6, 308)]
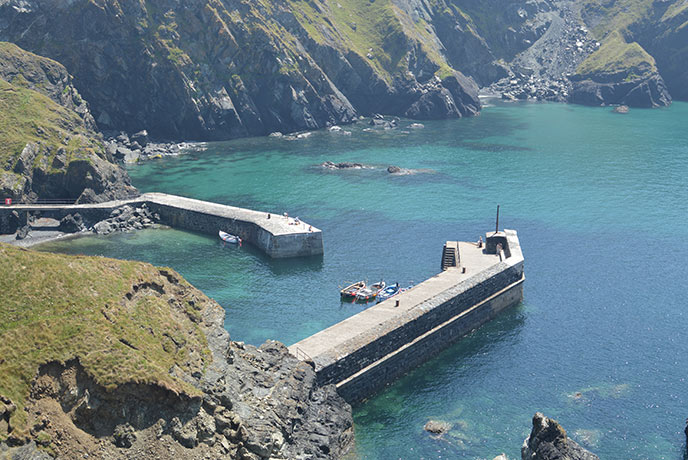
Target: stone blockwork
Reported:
[(276, 235), (362, 356)]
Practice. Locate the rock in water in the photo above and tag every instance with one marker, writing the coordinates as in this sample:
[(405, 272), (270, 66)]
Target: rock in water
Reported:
[(437, 427), (343, 165), (621, 109), (548, 441), (393, 169)]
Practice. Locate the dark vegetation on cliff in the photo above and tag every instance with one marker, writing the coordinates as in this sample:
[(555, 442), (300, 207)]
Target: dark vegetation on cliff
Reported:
[(48, 146), (119, 359)]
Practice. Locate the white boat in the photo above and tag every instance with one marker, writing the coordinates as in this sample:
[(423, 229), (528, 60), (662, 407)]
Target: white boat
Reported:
[(227, 238)]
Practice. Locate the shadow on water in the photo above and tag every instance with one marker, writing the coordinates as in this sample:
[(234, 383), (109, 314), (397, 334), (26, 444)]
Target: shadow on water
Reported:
[(430, 391), (496, 148), (468, 352), (290, 266)]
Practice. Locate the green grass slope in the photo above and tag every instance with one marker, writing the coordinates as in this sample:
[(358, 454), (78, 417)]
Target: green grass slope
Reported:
[(28, 116), (618, 59), (124, 322)]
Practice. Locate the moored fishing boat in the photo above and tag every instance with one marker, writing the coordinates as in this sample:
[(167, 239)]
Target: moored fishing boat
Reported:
[(389, 291), (227, 238), (350, 291), (369, 293)]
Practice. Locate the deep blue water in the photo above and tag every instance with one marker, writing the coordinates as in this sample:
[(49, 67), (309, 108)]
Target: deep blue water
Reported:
[(600, 202)]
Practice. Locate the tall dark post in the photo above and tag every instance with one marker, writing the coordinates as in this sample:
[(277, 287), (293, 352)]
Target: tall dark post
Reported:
[(497, 224)]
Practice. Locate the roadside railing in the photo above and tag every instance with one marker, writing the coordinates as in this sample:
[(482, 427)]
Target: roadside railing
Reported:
[(41, 201)]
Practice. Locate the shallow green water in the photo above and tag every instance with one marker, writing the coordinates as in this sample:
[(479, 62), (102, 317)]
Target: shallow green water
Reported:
[(600, 202)]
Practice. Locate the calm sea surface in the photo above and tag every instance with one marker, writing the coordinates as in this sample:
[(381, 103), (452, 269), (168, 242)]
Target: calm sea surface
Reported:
[(600, 202)]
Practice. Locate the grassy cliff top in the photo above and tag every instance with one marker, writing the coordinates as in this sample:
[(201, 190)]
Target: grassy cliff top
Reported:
[(126, 322), (370, 29), (41, 71), (616, 56), (28, 116), (607, 16)]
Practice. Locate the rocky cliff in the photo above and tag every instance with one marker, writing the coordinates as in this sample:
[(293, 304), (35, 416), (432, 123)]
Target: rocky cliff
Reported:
[(642, 57), (548, 441), (48, 146), (220, 69), (113, 359), (217, 69)]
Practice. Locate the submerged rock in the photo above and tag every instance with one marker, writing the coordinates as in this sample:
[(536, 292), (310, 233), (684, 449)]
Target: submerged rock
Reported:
[(437, 427), (343, 165), (548, 441)]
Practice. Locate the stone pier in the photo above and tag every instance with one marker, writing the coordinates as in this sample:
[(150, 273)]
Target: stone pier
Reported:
[(367, 351), (275, 235)]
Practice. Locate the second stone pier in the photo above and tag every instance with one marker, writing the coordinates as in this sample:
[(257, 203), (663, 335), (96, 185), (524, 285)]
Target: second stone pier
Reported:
[(275, 234)]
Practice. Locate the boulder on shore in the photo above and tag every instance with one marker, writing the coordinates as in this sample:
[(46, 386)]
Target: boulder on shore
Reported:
[(71, 223)]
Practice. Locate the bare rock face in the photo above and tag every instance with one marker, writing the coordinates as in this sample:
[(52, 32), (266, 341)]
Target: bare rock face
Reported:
[(643, 92), (548, 441)]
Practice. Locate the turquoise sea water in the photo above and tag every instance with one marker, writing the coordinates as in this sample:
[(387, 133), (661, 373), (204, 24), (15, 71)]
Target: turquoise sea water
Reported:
[(600, 201)]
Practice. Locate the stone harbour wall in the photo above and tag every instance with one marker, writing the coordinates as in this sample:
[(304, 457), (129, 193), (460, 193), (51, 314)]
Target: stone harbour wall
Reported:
[(276, 235), (416, 323), (363, 353), (392, 366)]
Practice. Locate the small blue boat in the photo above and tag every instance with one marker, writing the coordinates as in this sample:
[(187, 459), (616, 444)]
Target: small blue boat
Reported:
[(389, 291)]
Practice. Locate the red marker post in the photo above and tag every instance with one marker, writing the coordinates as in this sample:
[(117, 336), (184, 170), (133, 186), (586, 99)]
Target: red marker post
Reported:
[(8, 201)]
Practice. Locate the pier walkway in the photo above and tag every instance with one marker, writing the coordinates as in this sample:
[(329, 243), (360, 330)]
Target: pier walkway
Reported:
[(277, 235), (368, 350)]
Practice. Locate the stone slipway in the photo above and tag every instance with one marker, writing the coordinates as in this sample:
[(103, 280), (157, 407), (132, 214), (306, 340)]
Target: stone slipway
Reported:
[(274, 235), (368, 350)]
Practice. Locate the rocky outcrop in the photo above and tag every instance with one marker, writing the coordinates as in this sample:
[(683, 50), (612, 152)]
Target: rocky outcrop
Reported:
[(643, 92), (220, 69), (218, 399), (619, 72), (548, 441), (643, 54), (45, 76), (48, 148), (126, 218)]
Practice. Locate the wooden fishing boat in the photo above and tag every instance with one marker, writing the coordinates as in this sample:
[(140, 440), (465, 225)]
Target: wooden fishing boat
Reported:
[(370, 293), (227, 238), (350, 291)]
